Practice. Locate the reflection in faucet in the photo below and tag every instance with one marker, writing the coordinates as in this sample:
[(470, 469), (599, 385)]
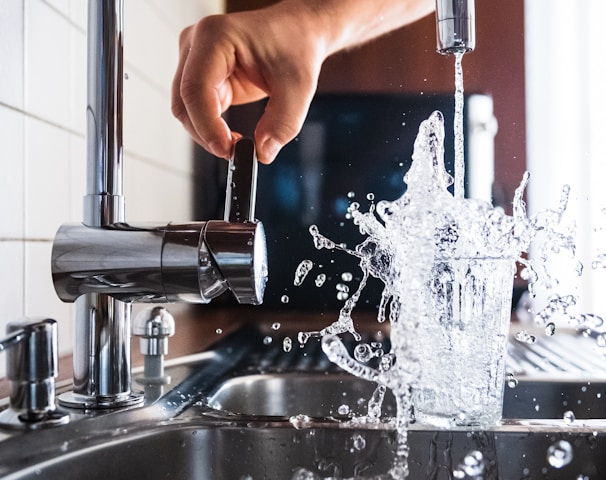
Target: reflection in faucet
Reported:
[(455, 26), (104, 263)]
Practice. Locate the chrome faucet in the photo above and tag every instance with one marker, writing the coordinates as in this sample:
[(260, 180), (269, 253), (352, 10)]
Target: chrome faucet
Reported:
[(455, 26), (104, 263)]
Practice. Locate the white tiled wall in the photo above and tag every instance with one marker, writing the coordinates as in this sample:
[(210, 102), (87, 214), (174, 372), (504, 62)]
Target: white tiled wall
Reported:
[(42, 136)]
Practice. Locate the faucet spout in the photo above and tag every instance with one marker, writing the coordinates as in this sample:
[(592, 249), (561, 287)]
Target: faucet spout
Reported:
[(455, 26)]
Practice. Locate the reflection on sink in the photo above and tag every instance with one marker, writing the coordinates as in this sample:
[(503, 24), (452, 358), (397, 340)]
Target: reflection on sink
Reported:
[(321, 395), (286, 394), (184, 435)]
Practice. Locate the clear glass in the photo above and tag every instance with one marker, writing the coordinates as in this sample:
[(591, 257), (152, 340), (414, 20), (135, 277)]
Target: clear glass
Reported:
[(462, 342)]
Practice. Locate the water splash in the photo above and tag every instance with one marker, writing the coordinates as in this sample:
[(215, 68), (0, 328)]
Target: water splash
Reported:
[(405, 240)]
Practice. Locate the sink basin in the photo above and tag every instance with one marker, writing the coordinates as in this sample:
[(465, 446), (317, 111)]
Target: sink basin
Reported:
[(201, 447), (248, 410)]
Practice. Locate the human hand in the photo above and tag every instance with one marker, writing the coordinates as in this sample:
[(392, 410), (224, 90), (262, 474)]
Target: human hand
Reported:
[(224, 60)]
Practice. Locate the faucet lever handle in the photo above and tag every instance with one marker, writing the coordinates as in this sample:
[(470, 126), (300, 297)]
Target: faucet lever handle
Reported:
[(241, 191)]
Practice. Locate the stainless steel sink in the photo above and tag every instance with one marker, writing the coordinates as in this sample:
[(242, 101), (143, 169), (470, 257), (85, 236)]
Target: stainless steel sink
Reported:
[(248, 410), (202, 447)]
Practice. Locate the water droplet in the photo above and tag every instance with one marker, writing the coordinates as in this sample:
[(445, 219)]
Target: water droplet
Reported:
[(302, 270), (302, 337), (473, 464), (275, 326), (347, 276), (320, 279), (550, 329), (267, 340), (559, 454), (363, 353), (342, 296), (351, 194), (359, 442), (287, 344), (569, 417), (341, 287), (300, 421), (512, 381), (320, 241), (343, 409), (370, 196), (354, 207), (284, 299), (600, 341), (579, 269), (386, 362), (524, 337), (219, 331)]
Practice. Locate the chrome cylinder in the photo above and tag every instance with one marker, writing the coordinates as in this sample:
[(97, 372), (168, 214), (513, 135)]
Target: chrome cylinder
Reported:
[(102, 374), (455, 26), (191, 263), (32, 367), (104, 200)]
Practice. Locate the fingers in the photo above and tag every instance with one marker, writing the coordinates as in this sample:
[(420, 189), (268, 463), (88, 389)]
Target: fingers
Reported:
[(284, 116), (199, 92), (220, 65)]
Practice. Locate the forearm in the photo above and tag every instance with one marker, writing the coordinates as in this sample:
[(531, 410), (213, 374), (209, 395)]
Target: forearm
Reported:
[(343, 24)]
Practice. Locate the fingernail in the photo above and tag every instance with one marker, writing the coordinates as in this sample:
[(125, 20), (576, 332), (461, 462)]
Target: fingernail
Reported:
[(269, 150)]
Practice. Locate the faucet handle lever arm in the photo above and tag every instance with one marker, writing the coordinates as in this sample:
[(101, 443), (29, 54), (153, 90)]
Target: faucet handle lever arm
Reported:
[(241, 191), (13, 339)]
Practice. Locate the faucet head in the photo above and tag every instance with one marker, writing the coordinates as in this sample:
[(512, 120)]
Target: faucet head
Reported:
[(240, 252), (238, 244), (455, 26)]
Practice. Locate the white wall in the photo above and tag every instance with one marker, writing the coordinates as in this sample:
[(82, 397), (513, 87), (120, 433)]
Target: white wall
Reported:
[(42, 136), (566, 101)]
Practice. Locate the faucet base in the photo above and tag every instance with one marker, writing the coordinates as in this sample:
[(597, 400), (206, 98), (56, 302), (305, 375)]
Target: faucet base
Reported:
[(99, 402), (12, 419)]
